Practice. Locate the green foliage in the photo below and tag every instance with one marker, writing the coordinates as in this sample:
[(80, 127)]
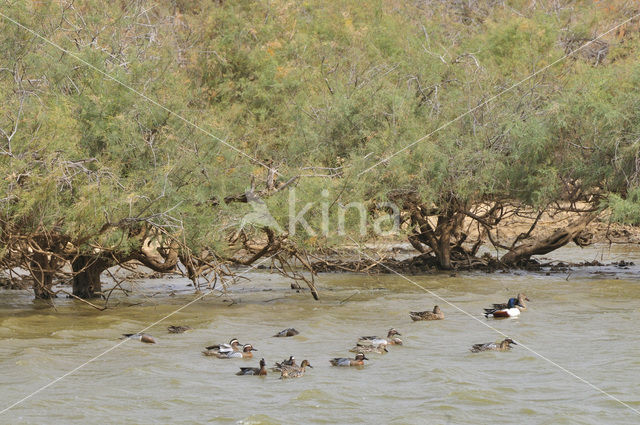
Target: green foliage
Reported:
[(520, 45), (626, 210), (303, 85)]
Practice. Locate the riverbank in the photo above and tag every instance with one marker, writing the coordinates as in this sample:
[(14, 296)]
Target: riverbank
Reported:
[(395, 255)]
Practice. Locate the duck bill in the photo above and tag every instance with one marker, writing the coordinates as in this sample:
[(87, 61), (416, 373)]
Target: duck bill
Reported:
[(364, 358), (310, 366), (253, 349), (514, 343)]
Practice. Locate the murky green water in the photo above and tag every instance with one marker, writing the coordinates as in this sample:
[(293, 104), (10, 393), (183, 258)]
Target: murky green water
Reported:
[(587, 322)]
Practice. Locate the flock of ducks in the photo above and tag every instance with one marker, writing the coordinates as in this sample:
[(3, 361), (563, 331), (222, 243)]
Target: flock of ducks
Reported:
[(288, 368)]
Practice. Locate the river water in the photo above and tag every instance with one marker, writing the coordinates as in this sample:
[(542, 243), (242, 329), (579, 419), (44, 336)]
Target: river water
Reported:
[(585, 321)]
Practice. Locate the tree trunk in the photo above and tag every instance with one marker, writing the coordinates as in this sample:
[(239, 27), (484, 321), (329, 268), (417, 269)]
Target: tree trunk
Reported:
[(438, 239), (86, 279), (558, 239), (42, 277), (444, 245)]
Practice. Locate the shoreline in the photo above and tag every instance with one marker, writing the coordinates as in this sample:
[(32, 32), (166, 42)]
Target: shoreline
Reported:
[(623, 258)]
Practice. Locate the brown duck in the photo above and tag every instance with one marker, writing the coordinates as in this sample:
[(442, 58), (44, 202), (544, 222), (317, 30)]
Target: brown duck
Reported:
[(435, 314), (287, 332), (494, 346), (294, 371), (259, 371)]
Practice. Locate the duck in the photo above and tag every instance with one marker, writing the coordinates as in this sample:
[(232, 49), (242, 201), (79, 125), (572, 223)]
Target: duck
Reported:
[(213, 350), (511, 309), (259, 371), (291, 361), (377, 349), (436, 314), (142, 337), (520, 303), (375, 341), (343, 361), (287, 332), (173, 329), (246, 353), (505, 345), (294, 371)]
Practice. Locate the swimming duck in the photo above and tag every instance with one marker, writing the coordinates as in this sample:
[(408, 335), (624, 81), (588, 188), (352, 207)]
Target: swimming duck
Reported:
[(287, 332), (343, 361), (178, 329), (493, 346), (291, 361), (436, 314), (294, 371), (214, 350), (374, 340), (520, 303), (378, 349), (142, 337), (511, 309), (246, 353), (260, 371)]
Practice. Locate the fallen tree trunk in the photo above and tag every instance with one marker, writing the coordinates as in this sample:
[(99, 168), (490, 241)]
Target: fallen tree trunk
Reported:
[(159, 259), (559, 238)]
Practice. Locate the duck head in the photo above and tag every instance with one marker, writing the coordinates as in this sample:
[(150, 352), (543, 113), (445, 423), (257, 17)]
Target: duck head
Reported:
[(262, 363), (436, 310), (234, 342), (507, 342), (393, 332), (521, 299), (361, 356), (305, 363), (248, 347)]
